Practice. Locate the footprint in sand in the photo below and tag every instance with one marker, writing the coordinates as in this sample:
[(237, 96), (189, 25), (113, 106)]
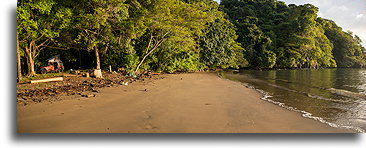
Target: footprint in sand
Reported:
[(149, 127)]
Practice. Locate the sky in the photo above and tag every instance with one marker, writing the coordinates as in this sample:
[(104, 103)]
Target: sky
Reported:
[(348, 14)]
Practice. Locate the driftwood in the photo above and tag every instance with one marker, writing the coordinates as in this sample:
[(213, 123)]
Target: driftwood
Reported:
[(69, 75), (47, 80)]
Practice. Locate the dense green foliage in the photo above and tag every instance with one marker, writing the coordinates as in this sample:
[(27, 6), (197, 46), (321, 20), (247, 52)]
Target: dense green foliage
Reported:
[(347, 50), (182, 35), (289, 36), (218, 46)]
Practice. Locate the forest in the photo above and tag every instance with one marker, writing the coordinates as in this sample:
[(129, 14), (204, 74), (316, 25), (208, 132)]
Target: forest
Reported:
[(180, 35)]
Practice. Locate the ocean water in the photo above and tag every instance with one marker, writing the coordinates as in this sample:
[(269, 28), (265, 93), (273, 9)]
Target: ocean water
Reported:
[(332, 96)]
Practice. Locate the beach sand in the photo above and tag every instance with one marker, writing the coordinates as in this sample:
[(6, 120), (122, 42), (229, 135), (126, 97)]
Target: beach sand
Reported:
[(179, 103)]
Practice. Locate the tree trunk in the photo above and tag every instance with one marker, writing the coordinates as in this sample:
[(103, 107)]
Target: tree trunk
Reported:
[(19, 71), (104, 55), (30, 63), (97, 59), (97, 71)]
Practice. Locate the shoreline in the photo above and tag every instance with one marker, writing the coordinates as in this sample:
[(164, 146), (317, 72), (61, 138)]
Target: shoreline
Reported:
[(266, 97), (180, 103)]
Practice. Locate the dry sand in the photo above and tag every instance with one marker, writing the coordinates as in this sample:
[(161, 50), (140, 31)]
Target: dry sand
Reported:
[(180, 103)]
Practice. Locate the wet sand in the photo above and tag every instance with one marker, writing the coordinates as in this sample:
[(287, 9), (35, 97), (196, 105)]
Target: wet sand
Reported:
[(179, 103)]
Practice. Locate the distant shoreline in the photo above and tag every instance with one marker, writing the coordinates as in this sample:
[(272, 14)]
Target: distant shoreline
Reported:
[(200, 102)]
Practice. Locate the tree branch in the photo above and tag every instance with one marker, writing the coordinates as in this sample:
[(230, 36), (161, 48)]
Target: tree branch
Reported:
[(156, 45), (42, 44), (148, 46)]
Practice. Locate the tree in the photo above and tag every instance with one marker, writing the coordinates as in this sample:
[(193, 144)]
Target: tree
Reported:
[(19, 69), (98, 24), (257, 44), (218, 47), (175, 22), (39, 23), (347, 51), (304, 37), (277, 35)]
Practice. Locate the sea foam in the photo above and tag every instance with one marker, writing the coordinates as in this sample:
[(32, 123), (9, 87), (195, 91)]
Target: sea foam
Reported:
[(305, 114)]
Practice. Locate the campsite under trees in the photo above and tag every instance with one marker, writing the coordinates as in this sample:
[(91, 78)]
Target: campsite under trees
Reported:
[(181, 35)]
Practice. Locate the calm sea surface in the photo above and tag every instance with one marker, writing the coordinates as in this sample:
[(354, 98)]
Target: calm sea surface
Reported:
[(332, 96)]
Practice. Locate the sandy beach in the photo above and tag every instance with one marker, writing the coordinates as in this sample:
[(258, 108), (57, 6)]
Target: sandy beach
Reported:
[(179, 103)]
